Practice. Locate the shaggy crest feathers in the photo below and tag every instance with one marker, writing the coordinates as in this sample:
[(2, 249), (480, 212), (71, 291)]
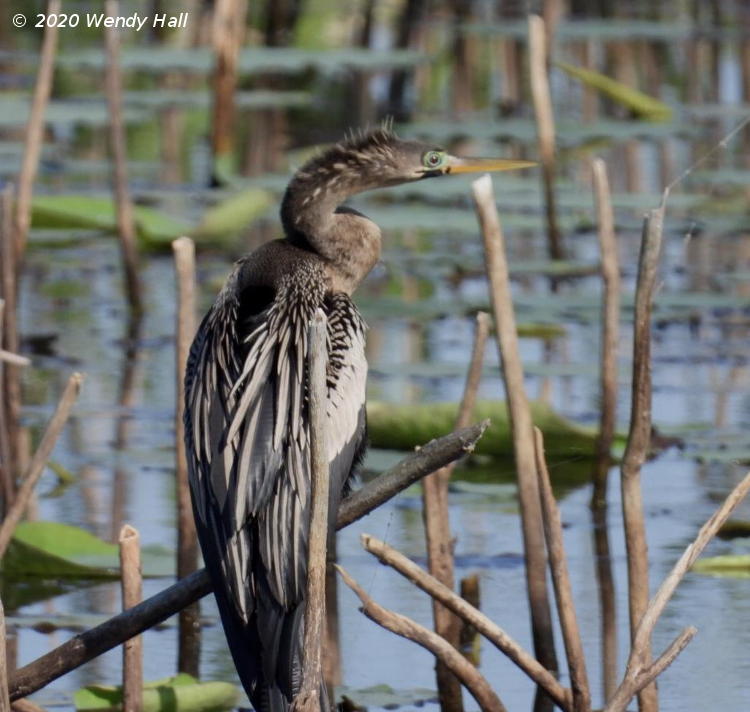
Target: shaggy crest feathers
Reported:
[(358, 147)]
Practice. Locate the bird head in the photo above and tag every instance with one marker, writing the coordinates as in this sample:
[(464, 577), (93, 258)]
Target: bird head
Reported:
[(379, 157)]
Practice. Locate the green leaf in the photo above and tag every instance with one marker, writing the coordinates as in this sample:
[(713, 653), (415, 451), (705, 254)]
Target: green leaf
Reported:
[(55, 550), (642, 105), (182, 693), (233, 214), (735, 565), (404, 427), (87, 212)]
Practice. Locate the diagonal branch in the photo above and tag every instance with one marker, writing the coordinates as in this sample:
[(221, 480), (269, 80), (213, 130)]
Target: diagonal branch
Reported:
[(469, 676)]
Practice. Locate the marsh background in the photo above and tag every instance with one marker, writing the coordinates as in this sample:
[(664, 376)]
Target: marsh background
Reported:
[(455, 73)]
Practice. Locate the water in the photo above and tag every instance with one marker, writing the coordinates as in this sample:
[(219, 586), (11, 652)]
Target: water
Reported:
[(121, 444)]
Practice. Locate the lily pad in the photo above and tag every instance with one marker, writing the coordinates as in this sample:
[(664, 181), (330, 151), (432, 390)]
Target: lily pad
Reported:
[(55, 550), (182, 693), (404, 427), (90, 212), (734, 529), (735, 565), (232, 214)]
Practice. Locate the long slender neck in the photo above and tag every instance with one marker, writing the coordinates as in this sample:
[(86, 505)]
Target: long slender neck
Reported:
[(311, 218)]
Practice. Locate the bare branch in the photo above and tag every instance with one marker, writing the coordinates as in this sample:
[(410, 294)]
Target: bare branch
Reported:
[(39, 461), (154, 610), (489, 629), (470, 677)]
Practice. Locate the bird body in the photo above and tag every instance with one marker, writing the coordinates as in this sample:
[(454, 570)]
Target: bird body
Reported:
[(247, 427)]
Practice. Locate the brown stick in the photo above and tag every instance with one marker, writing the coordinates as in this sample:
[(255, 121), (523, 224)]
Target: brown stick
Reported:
[(608, 377), (488, 628), (639, 438), (545, 127), (308, 697), (188, 655), (10, 387), (558, 566), (639, 672), (437, 527), (35, 132), (39, 461), (14, 359), (4, 698), (228, 26), (132, 594), (154, 610), (521, 425), (123, 203), (470, 677)]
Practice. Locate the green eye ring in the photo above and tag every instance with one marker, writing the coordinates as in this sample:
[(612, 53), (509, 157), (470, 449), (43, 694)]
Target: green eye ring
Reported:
[(433, 159)]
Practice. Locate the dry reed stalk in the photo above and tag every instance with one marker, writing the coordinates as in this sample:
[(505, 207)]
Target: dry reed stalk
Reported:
[(13, 359), (488, 628), (639, 438), (187, 543), (132, 594), (521, 424), (308, 697), (10, 386), (610, 271), (35, 133), (437, 526), (640, 671), (469, 676), (123, 203), (4, 697), (545, 126), (227, 36), (113, 632), (39, 461), (7, 487), (558, 566), (469, 641)]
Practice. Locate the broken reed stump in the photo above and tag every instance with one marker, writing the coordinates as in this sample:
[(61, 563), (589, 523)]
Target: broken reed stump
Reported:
[(639, 440), (32, 147), (558, 566), (467, 673), (113, 632), (189, 638), (545, 126), (610, 320), (308, 699), (521, 428), (132, 594), (438, 531), (123, 202)]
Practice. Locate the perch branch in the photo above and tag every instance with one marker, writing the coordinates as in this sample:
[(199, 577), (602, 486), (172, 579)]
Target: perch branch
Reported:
[(308, 697), (88, 645), (490, 630), (469, 676), (39, 461)]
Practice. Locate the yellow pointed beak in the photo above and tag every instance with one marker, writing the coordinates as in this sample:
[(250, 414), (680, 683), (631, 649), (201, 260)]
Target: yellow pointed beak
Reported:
[(475, 165)]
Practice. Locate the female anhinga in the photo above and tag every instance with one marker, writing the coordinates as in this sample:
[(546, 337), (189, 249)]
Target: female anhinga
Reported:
[(247, 428)]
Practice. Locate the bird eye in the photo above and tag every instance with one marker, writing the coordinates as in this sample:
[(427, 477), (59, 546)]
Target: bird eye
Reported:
[(433, 159)]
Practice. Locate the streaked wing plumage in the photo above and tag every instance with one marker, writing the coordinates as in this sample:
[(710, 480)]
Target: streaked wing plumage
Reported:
[(248, 449)]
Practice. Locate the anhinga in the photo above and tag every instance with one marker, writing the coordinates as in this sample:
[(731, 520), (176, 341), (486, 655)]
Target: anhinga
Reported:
[(247, 428)]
